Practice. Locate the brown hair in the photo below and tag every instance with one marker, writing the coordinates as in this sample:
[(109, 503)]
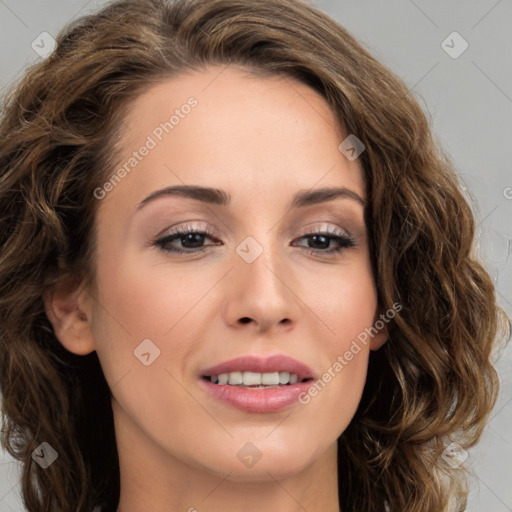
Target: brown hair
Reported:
[(433, 382)]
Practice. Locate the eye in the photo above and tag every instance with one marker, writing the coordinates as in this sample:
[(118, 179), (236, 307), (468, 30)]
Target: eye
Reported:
[(191, 238), (319, 242), (192, 241)]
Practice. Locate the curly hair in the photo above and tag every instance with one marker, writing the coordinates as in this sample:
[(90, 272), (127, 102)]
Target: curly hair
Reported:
[(431, 384)]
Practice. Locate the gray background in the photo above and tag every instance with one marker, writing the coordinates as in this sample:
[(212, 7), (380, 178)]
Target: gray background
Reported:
[(469, 102)]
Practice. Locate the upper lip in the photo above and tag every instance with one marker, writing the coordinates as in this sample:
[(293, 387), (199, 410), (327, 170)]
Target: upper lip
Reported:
[(261, 364)]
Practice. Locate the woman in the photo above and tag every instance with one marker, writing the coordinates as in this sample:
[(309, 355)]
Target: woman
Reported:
[(235, 272)]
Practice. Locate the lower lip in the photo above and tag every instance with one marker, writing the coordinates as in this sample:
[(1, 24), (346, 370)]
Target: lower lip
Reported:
[(257, 400)]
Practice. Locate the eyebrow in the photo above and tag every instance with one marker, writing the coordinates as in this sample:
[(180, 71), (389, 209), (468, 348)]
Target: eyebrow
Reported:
[(215, 196)]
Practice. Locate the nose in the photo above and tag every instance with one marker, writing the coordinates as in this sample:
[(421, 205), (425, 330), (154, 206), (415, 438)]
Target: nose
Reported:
[(261, 294)]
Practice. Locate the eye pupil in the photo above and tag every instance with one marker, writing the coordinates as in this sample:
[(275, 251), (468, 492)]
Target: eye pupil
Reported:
[(324, 241), (196, 239)]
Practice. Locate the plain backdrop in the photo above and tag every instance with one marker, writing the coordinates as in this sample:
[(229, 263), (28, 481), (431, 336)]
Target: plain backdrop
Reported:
[(463, 81)]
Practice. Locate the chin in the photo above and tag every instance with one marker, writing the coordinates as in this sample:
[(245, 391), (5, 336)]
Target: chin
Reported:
[(250, 464)]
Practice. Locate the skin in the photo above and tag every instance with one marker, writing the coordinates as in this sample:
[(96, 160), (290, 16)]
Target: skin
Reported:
[(261, 139)]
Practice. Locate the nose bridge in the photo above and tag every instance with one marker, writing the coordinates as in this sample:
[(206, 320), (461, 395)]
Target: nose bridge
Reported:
[(261, 262), (260, 289)]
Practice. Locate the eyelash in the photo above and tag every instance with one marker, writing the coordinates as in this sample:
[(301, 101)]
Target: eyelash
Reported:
[(345, 241)]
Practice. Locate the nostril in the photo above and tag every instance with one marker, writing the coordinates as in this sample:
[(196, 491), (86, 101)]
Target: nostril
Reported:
[(245, 319)]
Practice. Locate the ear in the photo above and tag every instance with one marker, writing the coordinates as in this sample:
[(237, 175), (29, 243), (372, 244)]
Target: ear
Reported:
[(380, 324), (68, 307)]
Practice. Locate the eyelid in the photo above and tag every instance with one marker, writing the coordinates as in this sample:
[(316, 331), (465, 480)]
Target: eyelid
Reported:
[(324, 227), (189, 225), (320, 226), (313, 227)]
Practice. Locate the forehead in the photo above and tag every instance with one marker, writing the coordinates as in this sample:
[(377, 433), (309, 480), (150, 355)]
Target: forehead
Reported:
[(226, 128)]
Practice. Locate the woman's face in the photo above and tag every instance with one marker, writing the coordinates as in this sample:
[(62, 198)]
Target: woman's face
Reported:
[(258, 284)]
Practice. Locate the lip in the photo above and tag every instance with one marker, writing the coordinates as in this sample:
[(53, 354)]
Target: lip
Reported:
[(259, 400)]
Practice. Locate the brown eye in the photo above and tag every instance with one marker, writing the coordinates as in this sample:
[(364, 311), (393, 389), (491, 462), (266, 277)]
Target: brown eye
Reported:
[(191, 240), (319, 242)]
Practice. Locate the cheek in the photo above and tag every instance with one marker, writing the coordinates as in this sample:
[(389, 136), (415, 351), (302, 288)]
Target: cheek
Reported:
[(345, 301), (346, 304), (132, 307), (137, 301), (148, 300)]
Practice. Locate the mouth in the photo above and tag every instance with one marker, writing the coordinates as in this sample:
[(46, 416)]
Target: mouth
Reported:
[(258, 384)]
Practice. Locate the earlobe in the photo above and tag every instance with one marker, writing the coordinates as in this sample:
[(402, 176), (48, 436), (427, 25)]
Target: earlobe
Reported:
[(68, 308), (382, 335), (378, 340)]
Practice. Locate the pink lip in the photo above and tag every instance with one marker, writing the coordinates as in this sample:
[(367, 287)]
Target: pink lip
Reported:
[(259, 400)]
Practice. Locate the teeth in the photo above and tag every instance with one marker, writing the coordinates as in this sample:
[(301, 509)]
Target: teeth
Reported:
[(284, 377), (235, 378), (255, 379), (251, 379), (270, 379)]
